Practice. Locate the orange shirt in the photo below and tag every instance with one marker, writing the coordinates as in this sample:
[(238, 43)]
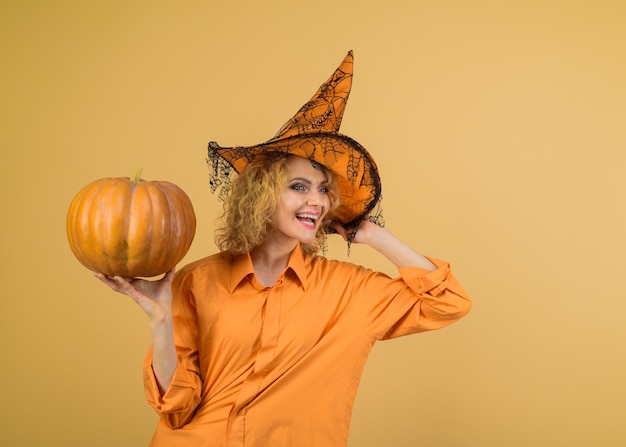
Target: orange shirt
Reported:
[(280, 366)]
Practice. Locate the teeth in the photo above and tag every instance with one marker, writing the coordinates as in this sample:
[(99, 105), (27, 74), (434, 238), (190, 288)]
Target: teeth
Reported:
[(307, 216)]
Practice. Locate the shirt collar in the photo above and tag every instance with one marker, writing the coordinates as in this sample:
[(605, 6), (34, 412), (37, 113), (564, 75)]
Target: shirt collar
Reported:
[(297, 263), (242, 267)]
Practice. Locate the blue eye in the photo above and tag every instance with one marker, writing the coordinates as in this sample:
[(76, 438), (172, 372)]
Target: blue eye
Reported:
[(324, 190), (298, 187)]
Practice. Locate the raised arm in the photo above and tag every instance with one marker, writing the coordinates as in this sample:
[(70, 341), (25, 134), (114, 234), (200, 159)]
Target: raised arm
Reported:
[(382, 240), (439, 299)]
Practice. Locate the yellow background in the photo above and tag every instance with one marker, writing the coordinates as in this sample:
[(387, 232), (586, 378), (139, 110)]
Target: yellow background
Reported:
[(499, 130)]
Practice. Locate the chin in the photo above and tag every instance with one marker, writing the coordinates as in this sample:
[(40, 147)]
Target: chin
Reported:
[(308, 239)]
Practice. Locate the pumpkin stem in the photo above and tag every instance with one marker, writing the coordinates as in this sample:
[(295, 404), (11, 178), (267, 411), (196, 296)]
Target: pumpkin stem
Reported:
[(136, 177)]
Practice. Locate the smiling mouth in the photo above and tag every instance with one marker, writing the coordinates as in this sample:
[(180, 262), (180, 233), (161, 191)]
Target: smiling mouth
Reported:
[(307, 219)]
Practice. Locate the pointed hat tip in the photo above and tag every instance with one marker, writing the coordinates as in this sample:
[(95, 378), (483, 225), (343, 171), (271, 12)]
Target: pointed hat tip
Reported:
[(346, 64), (324, 111)]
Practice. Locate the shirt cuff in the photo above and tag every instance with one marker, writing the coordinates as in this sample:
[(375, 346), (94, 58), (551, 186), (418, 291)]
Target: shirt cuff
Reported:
[(179, 396), (425, 281)]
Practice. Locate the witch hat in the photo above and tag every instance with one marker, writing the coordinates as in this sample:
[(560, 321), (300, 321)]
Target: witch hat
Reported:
[(313, 133)]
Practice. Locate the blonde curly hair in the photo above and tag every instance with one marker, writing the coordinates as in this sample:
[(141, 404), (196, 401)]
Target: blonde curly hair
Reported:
[(246, 217)]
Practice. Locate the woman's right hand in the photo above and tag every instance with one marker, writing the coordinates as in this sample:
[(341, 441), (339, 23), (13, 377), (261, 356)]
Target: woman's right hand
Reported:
[(154, 297)]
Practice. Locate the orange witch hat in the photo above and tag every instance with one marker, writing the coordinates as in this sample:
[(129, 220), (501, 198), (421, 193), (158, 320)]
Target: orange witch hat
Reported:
[(313, 133)]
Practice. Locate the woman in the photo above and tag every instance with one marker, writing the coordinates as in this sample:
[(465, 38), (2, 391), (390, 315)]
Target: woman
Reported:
[(264, 343)]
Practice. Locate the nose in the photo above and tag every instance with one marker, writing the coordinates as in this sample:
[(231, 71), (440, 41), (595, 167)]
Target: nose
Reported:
[(315, 198)]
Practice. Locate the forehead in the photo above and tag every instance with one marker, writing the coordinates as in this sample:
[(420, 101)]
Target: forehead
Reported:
[(303, 167)]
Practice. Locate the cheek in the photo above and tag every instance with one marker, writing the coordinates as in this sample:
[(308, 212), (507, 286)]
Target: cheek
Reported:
[(326, 204), (288, 201), (286, 204)]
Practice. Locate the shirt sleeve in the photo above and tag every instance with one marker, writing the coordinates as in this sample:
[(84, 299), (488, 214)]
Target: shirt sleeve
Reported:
[(177, 405), (418, 300)]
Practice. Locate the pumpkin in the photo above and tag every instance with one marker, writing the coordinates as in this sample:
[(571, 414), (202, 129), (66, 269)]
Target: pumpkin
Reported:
[(130, 227)]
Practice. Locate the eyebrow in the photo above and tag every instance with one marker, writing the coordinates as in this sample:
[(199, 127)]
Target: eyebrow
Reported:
[(306, 180)]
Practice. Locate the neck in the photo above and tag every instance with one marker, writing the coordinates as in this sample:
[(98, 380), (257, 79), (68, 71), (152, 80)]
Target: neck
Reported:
[(269, 260)]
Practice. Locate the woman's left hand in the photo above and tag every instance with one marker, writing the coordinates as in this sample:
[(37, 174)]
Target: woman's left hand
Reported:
[(359, 235)]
